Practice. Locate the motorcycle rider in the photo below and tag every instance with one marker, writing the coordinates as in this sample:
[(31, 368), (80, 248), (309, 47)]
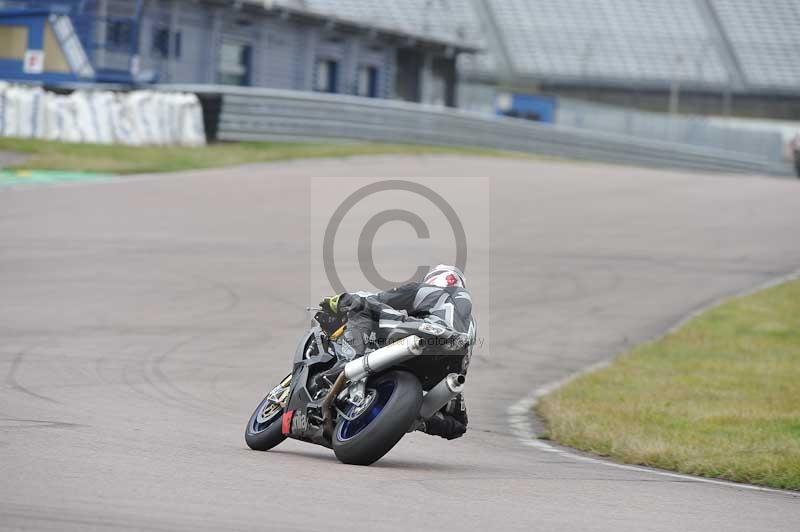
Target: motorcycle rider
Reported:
[(440, 298)]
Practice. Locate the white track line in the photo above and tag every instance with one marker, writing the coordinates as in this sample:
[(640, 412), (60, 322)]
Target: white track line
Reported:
[(520, 413)]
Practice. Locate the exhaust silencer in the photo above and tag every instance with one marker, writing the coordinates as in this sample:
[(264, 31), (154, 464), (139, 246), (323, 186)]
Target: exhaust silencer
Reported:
[(384, 358), (441, 394)]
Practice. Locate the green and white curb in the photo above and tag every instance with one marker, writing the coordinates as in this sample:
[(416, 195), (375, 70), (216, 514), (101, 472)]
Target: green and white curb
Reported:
[(15, 178)]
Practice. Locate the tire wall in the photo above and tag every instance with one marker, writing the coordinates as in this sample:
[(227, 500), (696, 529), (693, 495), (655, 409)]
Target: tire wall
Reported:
[(133, 118)]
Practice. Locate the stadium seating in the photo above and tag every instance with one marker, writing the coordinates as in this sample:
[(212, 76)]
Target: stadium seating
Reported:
[(711, 43), (714, 44), (646, 40), (765, 37)]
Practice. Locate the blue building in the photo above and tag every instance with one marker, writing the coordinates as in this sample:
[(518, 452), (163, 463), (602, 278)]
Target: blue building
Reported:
[(277, 44)]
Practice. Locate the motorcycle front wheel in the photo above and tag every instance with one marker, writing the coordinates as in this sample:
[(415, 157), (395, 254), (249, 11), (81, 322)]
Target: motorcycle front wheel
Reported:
[(369, 431), (263, 431)]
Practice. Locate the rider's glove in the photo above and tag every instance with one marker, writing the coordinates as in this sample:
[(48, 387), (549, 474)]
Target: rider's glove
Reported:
[(337, 305), (330, 304)]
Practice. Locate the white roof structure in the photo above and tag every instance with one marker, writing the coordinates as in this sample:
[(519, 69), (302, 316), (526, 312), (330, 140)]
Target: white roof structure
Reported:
[(447, 21), (452, 20)]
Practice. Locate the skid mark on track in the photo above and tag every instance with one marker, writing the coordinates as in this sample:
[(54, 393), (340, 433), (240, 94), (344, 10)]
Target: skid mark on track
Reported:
[(232, 296), (134, 376), (201, 286), (146, 377), (156, 378), (13, 381), (7, 423), (137, 376)]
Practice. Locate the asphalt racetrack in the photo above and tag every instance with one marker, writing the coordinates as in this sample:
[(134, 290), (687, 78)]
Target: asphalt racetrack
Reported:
[(142, 320)]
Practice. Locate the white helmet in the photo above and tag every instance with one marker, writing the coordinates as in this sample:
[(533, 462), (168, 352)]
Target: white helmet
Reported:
[(444, 276)]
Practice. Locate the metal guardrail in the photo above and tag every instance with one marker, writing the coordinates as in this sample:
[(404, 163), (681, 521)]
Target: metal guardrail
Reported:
[(679, 128), (269, 114)]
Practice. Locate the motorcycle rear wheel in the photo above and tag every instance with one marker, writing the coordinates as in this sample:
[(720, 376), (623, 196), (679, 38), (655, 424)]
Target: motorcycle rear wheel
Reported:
[(393, 407)]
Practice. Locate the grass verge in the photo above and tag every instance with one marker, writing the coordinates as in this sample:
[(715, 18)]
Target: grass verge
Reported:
[(48, 155), (718, 398)]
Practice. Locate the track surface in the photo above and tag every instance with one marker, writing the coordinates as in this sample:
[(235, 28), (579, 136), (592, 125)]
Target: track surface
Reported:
[(142, 320)]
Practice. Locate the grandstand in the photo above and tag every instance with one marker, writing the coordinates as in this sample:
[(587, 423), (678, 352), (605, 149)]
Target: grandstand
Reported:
[(612, 40), (765, 38), (721, 54)]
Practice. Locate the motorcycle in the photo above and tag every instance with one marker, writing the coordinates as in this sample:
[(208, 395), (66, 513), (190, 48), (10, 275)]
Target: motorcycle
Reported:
[(361, 406)]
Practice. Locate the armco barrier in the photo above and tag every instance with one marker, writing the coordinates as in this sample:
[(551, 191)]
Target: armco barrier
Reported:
[(268, 114), (681, 129)]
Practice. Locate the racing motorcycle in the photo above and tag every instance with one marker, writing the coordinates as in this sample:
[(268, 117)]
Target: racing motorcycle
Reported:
[(361, 406)]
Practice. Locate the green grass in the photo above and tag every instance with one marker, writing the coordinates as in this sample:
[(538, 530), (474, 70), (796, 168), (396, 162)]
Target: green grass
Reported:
[(47, 155), (719, 398)]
